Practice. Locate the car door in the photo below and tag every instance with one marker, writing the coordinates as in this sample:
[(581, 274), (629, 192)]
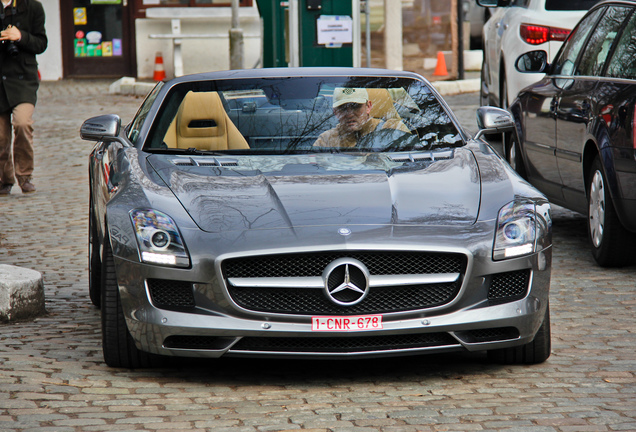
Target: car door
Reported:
[(577, 105), (541, 112), (494, 30)]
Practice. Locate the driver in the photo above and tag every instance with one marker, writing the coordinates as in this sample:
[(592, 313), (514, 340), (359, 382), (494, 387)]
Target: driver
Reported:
[(352, 108)]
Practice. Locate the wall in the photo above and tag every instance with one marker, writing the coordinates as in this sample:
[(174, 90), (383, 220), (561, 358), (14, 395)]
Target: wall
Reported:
[(50, 62), (199, 55)]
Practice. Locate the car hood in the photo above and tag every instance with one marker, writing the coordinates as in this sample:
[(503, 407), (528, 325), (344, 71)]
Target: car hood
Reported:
[(267, 192)]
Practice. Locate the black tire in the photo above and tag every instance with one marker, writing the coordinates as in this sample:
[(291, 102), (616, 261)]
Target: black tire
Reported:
[(117, 343), (612, 245), (503, 89), (513, 153), (94, 262), (534, 352), (484, 93)]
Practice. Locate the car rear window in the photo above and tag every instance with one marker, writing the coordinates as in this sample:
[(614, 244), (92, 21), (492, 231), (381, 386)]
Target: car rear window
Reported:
[(567, 5)]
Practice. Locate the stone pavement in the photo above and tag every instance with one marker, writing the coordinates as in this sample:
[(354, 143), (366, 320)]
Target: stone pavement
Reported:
[(52, 377)]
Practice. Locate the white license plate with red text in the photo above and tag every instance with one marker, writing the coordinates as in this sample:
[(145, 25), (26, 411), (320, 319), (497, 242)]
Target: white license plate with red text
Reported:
[(346, 323)]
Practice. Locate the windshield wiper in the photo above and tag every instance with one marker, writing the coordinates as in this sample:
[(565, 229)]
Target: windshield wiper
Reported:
[(188, 151)]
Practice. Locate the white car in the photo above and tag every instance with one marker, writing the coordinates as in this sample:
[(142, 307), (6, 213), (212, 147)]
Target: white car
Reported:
[(516, 27)]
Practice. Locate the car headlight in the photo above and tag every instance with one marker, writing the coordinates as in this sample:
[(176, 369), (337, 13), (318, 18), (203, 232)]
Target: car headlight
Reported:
[(516, 230), (158, 238)]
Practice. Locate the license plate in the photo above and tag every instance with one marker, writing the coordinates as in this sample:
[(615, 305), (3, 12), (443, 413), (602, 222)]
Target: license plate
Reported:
[(346, 323)]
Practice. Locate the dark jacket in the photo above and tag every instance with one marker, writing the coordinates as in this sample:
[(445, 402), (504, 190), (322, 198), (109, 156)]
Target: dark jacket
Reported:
[(19, 75)]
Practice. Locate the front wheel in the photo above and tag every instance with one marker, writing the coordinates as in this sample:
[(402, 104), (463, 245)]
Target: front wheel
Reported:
[(534, 352), (513, 153), (612, 245), (117, 343), (94, 263)]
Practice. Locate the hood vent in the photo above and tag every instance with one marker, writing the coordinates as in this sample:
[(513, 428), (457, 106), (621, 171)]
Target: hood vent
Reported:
[(207, 162), (423, 156)]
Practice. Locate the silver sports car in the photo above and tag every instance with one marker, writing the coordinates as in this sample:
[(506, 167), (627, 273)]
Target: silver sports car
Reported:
[(322, 213)]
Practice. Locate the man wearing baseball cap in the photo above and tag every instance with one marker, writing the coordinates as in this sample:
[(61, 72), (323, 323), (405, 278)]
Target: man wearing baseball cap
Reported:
[(352, 108)]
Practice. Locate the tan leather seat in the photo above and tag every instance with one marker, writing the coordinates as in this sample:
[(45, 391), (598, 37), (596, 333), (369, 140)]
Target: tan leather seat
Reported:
[(382, 104), (382, 108), (202, 123)]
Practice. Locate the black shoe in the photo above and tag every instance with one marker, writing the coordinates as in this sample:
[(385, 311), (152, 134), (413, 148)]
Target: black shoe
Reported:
[(5, 188)]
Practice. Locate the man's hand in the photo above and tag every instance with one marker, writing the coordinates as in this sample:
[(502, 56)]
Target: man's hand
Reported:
[(11, 33)]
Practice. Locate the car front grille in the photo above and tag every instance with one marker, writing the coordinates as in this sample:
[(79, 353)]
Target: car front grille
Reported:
[(378, 263), (314, 302), (386, 299)]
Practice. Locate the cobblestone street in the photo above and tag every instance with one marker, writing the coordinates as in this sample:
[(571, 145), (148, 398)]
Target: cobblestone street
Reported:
[(52, 375)]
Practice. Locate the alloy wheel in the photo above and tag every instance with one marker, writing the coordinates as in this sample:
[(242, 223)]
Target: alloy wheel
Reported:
[(597, 209)]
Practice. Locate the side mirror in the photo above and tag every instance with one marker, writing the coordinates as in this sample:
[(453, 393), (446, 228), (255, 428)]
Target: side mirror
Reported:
[(493, 120), (532, 62), (100, 128), (493, 3)]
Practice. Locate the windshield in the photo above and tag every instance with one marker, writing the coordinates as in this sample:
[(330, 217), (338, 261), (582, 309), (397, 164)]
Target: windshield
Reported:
[(301, 114)]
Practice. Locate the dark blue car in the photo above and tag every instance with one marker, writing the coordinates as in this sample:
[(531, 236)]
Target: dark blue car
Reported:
[(575, 137)]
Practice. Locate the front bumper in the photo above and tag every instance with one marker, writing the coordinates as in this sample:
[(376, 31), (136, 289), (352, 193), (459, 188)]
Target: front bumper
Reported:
[(470, 322)]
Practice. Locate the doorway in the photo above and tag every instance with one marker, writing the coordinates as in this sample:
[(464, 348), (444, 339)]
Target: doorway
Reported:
[(97, 38)]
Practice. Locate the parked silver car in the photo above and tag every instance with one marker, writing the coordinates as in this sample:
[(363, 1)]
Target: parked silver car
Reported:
[(223, 222)]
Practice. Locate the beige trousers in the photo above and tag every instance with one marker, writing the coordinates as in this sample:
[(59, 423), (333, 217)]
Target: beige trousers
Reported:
[(17, 161)]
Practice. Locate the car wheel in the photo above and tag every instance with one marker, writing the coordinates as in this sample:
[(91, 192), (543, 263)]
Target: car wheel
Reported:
[(503, 91), (94, 262), (513, 153), (484, 94), (534, 352), (611, 243), (117, 343)]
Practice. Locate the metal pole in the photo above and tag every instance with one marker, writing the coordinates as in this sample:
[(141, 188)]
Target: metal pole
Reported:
[(236, 39), (357, 34), (294, 34), (367, 13), (460, 39)]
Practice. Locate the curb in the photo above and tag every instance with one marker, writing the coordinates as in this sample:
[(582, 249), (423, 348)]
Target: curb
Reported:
[(448, 88), (21, 293)]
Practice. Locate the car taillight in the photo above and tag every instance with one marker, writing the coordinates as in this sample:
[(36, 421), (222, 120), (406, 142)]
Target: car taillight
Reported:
[(536, 34)]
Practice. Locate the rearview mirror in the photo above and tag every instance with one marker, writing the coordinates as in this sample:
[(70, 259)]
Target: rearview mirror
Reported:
[(493, 120), (493, 3), (100, 128), (532, 62)]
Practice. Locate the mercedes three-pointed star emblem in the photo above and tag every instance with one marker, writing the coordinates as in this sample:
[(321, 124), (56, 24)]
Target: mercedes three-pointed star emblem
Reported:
[(346, 281)]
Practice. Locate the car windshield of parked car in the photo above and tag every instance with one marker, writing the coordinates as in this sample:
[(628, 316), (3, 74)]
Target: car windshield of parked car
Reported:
[(565, 62), (599, 46), (282, 115), (623, 61)]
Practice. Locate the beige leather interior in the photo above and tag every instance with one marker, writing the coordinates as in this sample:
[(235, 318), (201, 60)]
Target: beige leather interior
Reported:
[(202, 123), (382, 108), (382, 104)]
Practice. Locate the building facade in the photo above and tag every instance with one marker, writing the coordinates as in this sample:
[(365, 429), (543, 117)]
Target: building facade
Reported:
[(116, 38)]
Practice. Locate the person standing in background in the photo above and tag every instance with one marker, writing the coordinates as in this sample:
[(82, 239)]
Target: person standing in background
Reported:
[(22, 36)]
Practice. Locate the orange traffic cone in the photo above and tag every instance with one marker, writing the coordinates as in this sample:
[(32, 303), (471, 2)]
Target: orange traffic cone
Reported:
[(160, 73), (440, 68)]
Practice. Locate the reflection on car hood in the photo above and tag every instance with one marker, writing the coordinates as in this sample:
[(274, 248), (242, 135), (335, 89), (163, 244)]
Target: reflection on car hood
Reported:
[(263, 192)]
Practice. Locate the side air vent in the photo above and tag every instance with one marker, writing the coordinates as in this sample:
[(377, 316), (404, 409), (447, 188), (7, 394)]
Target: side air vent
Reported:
[(171, 295), (510, 286)]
